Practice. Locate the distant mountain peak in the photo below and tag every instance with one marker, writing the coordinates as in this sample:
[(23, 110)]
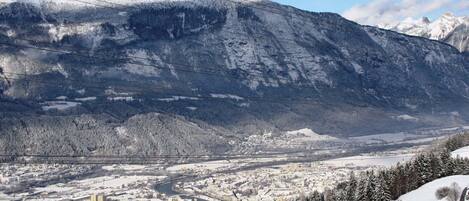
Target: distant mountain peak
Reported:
[(442, 28), (425, 20), (448, 14)]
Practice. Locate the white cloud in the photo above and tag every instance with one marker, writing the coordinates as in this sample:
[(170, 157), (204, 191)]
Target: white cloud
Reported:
[(380, 12), (463, 6)]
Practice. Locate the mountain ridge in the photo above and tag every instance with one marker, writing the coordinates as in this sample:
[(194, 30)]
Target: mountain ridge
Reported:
[(448, 28), (236, 70)]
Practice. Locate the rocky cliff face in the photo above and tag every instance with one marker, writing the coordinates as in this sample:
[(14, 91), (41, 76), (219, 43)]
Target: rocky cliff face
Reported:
[(223, 68)]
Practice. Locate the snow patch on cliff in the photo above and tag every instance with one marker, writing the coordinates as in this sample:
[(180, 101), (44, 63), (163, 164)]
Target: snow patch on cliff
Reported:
[(143, 64), (227, 96), (358, 69), (57, 33), (406, 117), (92, 98), (59, 105), (177, 98), (121, 98)]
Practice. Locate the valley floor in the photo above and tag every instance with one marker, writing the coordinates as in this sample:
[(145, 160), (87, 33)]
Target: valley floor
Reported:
[(213, 180), (259, 178)]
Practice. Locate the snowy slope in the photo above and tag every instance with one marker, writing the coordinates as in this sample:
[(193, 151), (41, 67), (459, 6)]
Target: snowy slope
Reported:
[(463, 152), (442, 29), (307, 134), (427, 191)]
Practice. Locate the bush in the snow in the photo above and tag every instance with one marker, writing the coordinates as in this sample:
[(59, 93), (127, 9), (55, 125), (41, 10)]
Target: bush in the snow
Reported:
[(454, 193), (442, 192), (451, 193)]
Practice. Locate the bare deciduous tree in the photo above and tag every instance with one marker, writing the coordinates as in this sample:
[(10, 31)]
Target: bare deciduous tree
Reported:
[(451, 193), (442, 192)]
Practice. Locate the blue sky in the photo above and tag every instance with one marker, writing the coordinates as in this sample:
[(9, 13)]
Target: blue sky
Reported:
[(388, 11), (336, 6)]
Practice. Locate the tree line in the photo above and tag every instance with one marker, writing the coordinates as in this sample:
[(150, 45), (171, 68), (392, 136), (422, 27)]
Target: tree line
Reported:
[(389, 184)]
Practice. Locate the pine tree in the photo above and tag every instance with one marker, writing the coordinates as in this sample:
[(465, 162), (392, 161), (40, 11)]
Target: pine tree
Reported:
[(460, 166), (466, 164), (409, 180), (316, 196), (360, 193), (330, 195), (455, 142), (381, 192), (435, 166), (447, 165), (423, 170), (351, 188), (396, 187), (370, 186), (339, 195)]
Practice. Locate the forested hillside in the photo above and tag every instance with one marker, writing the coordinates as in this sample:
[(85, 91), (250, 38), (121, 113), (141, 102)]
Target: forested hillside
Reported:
[(390, 184)]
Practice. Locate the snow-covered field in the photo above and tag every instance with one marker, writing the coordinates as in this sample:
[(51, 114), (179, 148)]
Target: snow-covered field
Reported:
[(220, 165), (415, 137), (385, 160), (427, 191)]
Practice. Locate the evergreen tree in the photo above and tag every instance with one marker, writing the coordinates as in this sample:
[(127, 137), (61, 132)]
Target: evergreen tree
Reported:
[(330, 195), (370, 186), (381, 192), (351, 188), (339, 195), (397, 186), (435, 166), (460, 166), (447, 164), (316, 196), (423, 170), (409, 180), (360, 194), (455, 142)]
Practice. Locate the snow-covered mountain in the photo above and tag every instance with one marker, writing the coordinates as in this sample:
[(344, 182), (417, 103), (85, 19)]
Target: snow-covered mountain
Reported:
[(448, 28), (198, 76)]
